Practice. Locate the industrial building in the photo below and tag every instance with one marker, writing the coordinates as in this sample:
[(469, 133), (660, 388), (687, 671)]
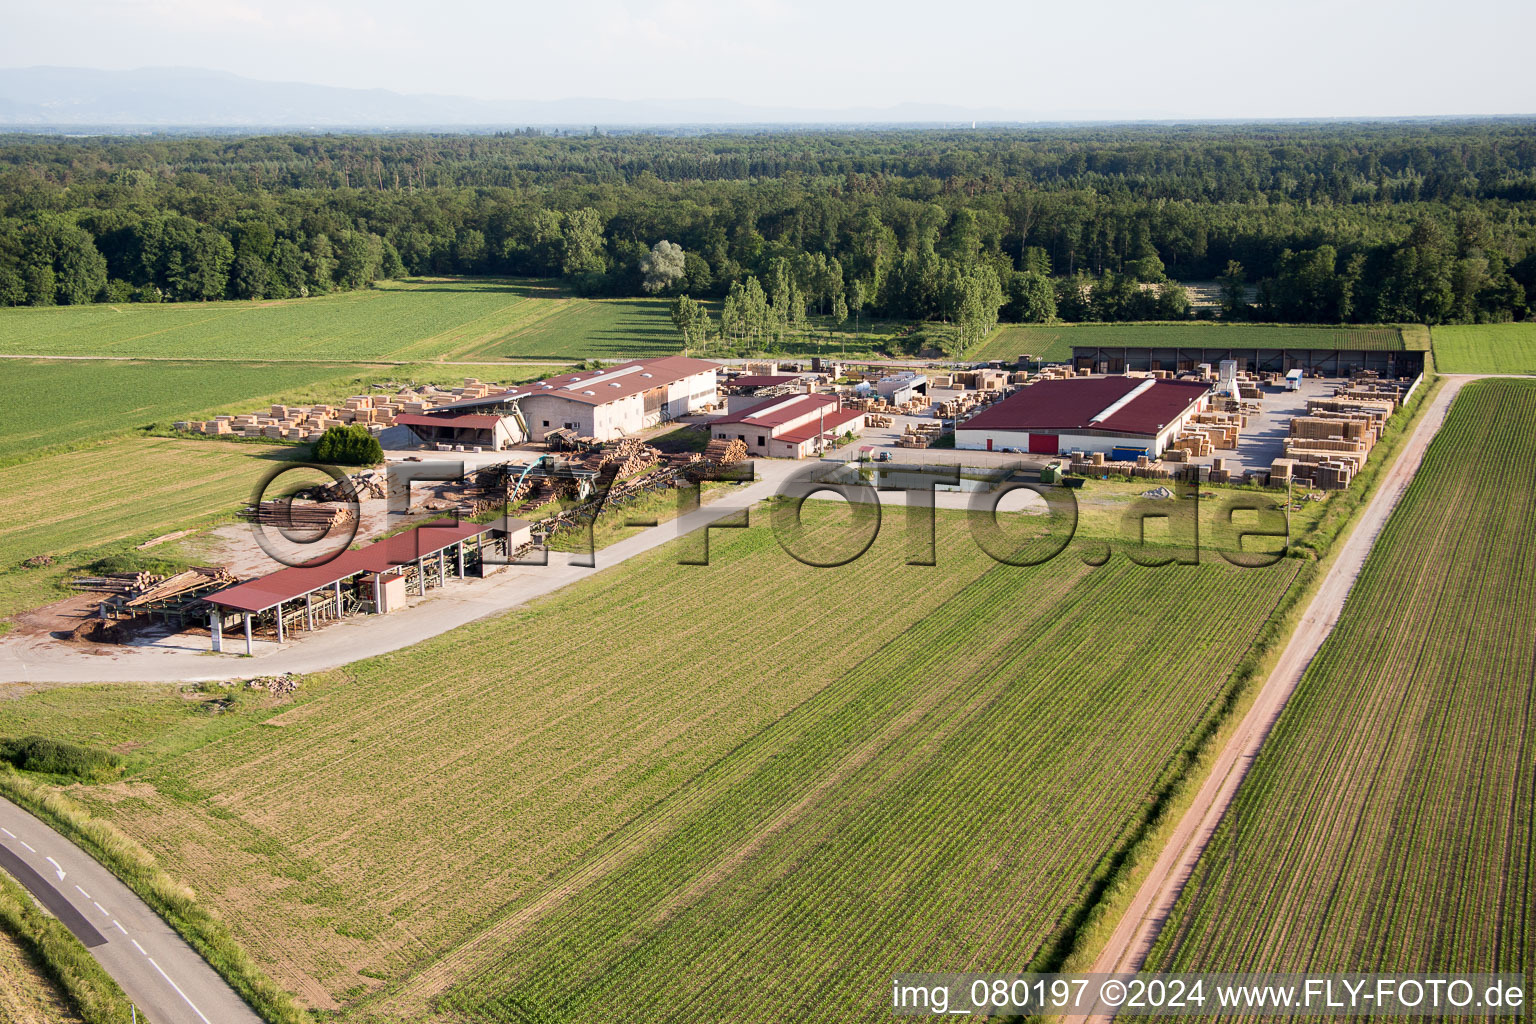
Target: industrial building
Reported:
[(791, 427), (616, 401), (371, 579), (1119, 416), (901, 388), (1338, 361)]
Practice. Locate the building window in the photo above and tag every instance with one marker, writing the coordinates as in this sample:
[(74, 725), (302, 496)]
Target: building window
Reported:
[(546, 423), (741, 437), (761, 440), (720, 436)]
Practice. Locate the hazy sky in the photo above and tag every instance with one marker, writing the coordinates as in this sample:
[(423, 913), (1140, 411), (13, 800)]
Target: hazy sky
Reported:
[(1184, 58)]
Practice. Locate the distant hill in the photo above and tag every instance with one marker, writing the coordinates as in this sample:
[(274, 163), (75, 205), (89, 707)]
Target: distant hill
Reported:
[(193, 97)]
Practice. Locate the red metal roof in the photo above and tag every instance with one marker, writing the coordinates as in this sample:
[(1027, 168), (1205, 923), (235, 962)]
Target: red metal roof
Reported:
[(1072, 405), (779, 411), (381, 556), (765, 380), (833, 425), (483, 421), (599, 387)]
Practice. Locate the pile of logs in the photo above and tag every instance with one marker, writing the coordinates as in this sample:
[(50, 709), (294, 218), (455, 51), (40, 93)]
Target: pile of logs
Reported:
[(632, 456), (117, 582), (723, 453), (188, 582), (288, 515), (368, 483)]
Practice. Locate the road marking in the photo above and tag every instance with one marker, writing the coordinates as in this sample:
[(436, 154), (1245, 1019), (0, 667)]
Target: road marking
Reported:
[(82, 892), (179, 992), (28, 845), (137, 946), (56, 869), (119, 927), (8, 832), (102, 909)]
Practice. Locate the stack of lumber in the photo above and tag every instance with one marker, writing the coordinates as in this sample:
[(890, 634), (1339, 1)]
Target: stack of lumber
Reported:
[(187, 583), (117, 582), (877, 420), (723, 453), (294, 516)]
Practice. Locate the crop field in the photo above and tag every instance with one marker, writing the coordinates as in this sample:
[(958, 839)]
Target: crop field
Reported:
[(1486, 348), (420, 320), (127, 488), (1388, 822), (1054, 342), (61, 403), (913, 766)]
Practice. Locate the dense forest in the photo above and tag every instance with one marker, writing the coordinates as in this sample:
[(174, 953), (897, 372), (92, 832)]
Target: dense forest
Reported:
[(1393, 222)]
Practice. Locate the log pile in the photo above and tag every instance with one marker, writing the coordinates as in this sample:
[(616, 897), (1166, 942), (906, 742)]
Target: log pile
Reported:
[(117, 582), (186, 583), (632, 456), (367, 483), (723, 453), (288, 515)]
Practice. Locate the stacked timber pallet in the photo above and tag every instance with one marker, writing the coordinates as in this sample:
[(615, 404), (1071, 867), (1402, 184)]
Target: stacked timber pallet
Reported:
[(875, 419), (308, 422)]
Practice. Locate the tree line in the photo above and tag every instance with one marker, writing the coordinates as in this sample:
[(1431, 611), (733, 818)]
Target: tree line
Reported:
[(1309, 223)]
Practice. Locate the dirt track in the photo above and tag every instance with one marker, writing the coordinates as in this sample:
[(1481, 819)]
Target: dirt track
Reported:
[(1132, 939)]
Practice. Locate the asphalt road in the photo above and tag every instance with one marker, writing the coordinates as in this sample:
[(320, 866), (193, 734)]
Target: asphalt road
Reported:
[(163, 976)]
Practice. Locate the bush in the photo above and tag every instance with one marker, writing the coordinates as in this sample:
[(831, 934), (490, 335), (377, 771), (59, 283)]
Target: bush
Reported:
[(59, 757), (348, 446)]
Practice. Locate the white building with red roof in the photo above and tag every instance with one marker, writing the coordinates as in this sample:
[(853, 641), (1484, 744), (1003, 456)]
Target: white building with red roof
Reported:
[(791, 427), (613, 402), (1097, 414)]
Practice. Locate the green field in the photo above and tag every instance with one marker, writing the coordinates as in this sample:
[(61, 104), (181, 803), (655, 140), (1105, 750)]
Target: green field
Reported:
[(63, 403), (1053, 343), (914, 765), (420, 320), (82, 504), (1389, 823), (1486, 348)]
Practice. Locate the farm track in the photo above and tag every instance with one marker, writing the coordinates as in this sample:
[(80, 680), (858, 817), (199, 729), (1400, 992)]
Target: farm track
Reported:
[(1132, 940)]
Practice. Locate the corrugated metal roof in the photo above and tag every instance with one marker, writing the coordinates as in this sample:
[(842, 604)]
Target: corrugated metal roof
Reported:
[(832, 426), (776, 413), (599, 387), (463, 419), (765, 380), (1073, 404), (381, 556)]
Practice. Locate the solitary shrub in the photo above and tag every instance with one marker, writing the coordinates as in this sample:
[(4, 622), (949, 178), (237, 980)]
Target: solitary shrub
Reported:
[(348, 446), (59, 757)]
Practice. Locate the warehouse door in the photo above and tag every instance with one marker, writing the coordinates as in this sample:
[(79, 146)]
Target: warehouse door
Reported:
[(1044, 444)]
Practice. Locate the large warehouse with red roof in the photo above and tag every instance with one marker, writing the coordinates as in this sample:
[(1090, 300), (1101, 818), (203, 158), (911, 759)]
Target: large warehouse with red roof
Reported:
[(1096, 414)]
